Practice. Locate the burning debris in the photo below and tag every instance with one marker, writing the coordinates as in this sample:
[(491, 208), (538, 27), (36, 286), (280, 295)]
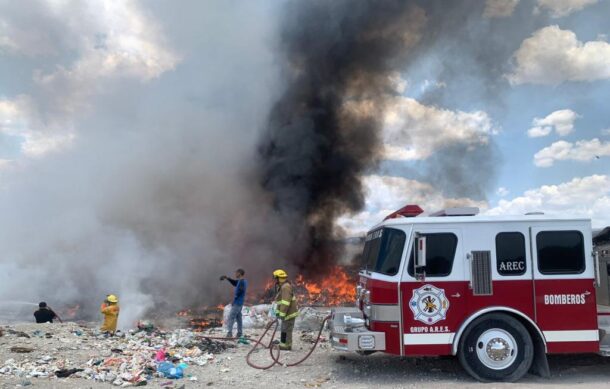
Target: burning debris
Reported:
[(335, 288)]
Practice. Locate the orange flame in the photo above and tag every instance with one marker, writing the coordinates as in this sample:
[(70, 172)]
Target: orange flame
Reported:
[(70, 312), (337, 288)]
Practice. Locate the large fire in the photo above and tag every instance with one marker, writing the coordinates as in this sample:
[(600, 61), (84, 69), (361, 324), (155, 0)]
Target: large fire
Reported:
[(336, 288)]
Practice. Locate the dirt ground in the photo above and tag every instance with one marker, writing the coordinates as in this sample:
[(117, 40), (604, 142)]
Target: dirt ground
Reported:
[(326, 368)]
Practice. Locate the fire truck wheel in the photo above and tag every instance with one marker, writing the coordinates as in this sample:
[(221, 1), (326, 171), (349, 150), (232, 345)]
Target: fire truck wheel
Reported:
[(496, 347)]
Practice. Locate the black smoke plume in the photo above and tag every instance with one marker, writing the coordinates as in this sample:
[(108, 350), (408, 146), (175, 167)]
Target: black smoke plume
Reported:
[(324, 132)]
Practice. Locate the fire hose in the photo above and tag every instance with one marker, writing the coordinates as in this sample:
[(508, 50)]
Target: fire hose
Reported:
[(271, 346)]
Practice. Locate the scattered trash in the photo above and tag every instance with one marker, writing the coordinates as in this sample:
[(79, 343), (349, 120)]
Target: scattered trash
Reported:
[(243, 340), (252, 316), (160, 355), (169, 370), (64, 373), (214, 346), (145, 325), (18, 349), (20, 334), (132, 359)]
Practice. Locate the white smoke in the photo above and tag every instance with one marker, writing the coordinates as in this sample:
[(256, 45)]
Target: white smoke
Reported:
[(149, 198)]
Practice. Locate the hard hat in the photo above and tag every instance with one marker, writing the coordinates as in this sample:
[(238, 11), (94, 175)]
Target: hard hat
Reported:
[(112, 298), (279, 273)]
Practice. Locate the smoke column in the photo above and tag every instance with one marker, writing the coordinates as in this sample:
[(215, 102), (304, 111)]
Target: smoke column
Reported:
[(324, 131)]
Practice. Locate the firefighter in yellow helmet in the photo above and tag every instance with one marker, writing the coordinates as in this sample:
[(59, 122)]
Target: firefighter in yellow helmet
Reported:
[(110, 310), (286, 310)]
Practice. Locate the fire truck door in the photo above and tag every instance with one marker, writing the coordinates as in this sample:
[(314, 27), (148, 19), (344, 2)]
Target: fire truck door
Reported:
[(433, 298), (564, 293)]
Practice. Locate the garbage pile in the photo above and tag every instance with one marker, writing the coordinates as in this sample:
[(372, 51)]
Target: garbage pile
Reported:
[(257, 316), (127, 359)]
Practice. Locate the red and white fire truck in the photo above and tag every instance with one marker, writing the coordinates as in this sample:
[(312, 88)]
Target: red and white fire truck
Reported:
[(497, 292)]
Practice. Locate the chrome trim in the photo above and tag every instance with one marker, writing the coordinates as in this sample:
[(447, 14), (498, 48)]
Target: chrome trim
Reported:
[(598, 281), (351, 335), (458, 334), (384, 312), (531, 241), (400, 324)]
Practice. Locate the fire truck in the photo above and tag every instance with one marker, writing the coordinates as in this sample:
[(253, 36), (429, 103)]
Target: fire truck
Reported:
[(500, 293)]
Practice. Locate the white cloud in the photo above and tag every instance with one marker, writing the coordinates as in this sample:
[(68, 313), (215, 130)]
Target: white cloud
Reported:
[(499, 8), (583, 150), (19, 118), (561, 8), (552, 56), (38, 144), (562, 121), (414, 131), (9, 113), (386, 194), (606, 131), (580, 197), (502, 191), (106, 41)]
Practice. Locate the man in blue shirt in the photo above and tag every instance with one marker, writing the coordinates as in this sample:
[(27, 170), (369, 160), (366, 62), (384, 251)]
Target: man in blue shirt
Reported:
[(240, 285)]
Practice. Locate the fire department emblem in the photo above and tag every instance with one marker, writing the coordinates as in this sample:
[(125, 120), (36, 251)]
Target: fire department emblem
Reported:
[(429, 304)]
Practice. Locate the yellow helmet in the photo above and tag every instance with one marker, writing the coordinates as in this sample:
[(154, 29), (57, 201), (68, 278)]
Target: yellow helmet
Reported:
[(279, 273), (112, 298)]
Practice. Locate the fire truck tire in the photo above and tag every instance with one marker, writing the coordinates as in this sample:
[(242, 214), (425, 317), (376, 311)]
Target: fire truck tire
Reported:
[(496, 347)]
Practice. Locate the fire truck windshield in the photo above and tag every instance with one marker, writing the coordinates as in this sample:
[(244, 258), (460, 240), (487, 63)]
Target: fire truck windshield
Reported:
[(383, 250)]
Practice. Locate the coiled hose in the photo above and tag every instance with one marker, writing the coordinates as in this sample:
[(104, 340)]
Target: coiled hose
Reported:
[(276, 356)]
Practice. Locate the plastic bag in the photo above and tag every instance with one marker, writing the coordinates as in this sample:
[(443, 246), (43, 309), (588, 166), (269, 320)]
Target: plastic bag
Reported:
[(170, 371), (273, 310)]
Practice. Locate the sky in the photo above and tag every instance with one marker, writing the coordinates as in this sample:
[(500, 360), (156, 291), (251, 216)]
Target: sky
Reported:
[(128, 128), (545, 113), (547, 116)]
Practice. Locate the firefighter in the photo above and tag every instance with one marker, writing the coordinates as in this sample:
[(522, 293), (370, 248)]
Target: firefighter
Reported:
[(286, 308), (110, 310)]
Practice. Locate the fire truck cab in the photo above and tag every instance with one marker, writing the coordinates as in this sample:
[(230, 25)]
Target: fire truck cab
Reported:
[(497, 292)]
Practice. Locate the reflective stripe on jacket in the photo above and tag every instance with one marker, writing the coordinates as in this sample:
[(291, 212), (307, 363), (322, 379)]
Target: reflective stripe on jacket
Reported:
[(286, 302)]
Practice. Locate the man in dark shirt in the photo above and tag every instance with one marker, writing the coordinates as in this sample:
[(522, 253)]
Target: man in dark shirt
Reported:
[(240, 285), (45, 314)]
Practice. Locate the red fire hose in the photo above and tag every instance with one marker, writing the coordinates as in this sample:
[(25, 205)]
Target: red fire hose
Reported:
[(276, 357)]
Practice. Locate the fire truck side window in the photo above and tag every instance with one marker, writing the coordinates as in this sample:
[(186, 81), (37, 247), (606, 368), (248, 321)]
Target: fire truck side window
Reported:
[(560, 252), (510, 253), (440, 252)]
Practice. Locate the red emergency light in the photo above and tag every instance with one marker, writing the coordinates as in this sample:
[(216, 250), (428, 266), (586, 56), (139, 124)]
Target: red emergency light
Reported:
[(410, 210)]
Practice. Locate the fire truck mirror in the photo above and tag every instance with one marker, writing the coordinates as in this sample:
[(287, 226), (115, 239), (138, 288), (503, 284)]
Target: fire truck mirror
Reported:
[(420, 253)]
